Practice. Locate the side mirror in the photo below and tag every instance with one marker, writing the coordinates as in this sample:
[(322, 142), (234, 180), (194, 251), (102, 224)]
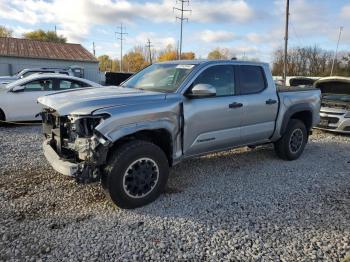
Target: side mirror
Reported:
[(203, 90), (17, 89)]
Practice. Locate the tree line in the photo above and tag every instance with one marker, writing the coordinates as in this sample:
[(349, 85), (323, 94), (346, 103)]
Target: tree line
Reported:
[(302, 61), (311, 61)]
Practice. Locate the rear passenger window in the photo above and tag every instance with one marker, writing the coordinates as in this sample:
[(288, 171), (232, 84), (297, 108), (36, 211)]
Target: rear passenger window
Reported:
[(252, 79), (70, 84)]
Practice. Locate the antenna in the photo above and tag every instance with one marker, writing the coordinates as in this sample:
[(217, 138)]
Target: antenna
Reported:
[(336, 50), (149, 50), (120, 37), (182, 18)]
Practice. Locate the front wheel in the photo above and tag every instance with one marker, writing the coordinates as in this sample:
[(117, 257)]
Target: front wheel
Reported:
[(291, 145), (136, 174)]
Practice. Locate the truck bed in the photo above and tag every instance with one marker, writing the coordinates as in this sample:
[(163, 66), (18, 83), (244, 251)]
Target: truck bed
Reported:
[(295, 88)]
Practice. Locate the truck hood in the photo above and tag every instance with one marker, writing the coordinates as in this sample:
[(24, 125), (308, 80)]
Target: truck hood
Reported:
[(86, 101)]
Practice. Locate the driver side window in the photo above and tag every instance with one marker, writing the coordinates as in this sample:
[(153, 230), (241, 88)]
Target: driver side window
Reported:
[(221, 77)]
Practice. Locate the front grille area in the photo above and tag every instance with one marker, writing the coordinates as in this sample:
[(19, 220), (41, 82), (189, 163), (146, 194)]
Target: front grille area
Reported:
[(330, 120), (333, 113), (54, 127)]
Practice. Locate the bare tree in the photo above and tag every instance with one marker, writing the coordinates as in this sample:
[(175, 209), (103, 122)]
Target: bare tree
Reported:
[(310, 61)]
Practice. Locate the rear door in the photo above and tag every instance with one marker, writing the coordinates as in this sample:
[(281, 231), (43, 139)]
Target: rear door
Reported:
[(260, 102), (213, 123)]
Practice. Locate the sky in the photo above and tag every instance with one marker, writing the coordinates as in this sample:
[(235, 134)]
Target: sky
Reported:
[(250, 28)]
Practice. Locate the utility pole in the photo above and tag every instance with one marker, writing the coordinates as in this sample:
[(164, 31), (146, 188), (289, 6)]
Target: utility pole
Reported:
[(93, 48), (120, 37), (55, 30), (285, 66), (182, 18), (149, 50), (336, 50)]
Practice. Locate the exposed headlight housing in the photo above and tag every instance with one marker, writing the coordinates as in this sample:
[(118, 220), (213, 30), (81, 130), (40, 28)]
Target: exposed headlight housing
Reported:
[(83, 126)]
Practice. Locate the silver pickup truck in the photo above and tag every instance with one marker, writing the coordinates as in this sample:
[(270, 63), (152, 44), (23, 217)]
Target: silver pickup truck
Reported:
[(128, 137)]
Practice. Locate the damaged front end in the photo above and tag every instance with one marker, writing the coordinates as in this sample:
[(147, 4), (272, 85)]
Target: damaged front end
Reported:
[(73, 146)]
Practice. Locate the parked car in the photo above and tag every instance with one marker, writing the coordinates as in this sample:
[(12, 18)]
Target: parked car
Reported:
[(129, 136), (18, 100), (29, 71), (293, 81), (335, 106)]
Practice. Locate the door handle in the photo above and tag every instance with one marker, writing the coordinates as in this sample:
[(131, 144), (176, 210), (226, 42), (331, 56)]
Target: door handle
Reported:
[(235, 105), (271, 102)]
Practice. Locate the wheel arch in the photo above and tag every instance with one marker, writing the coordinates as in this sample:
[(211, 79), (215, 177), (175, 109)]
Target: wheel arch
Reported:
[(302, 112), (2, 115), (161, 137)]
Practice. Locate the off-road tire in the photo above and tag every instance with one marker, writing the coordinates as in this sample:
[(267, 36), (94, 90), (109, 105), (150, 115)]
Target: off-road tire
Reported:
[(121, 160), (285, 148)]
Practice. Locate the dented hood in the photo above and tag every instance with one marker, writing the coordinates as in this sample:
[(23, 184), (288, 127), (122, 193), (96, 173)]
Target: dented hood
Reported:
[(86, 101)]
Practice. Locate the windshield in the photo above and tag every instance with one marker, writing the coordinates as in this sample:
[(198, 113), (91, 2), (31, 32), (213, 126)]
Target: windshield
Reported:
[(160, 77), (19, 73), (18, 82), (337, 97)]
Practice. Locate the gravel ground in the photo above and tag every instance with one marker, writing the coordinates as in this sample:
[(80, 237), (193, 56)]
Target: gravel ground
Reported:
[(240, 205)]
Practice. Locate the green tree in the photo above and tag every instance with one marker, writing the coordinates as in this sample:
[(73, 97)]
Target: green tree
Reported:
[(108, 64), (105, 63), (5, 32), (41, 35)]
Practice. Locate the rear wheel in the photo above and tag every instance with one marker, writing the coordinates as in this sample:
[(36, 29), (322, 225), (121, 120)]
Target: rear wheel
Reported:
[(291, 145), (136, 174)]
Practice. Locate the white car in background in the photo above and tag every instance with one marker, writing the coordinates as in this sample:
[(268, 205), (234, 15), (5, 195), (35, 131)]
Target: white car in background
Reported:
[(18, 100), (30, 71)]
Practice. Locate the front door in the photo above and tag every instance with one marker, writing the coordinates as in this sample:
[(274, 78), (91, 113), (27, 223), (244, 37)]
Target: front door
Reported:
[(26, 101), (213, 123)]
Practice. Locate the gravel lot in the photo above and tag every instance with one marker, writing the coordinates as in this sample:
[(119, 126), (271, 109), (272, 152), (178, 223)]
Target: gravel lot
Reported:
[(241, 205)]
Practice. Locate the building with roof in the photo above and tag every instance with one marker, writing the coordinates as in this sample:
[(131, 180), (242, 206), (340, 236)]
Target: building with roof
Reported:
[(17, 54)]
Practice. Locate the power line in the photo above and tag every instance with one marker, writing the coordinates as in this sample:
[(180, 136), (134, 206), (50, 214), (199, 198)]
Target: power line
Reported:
[(182, 18), (336, 50), (149, 50), (299, 40), (120, 37)]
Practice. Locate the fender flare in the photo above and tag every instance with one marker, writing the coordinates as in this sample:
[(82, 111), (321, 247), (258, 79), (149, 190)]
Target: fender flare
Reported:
[(2, 114), (291, 111), (130, 129)]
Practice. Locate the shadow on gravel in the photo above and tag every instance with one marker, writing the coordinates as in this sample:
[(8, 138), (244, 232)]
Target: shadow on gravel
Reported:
[(254, 181)]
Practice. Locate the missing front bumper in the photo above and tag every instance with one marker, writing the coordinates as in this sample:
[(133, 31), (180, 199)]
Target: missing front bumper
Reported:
[(82, 172), (61, 166)]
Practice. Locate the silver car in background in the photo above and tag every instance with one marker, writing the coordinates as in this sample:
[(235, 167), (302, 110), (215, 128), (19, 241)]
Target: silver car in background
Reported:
[(335, 105)]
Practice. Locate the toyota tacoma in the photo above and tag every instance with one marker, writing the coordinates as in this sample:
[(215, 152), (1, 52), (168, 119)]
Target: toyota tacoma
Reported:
[(129, 136)]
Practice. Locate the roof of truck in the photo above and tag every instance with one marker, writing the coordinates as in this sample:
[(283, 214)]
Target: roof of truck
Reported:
[(208, 61)]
